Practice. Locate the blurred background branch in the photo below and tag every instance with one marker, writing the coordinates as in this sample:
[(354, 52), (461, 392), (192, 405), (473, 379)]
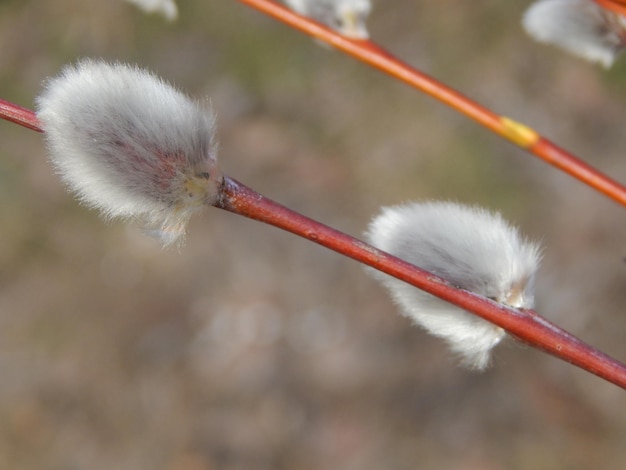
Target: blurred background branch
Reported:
[(372, 54)]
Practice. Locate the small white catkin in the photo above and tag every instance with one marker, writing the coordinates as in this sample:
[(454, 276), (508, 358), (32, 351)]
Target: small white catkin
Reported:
[(166, 8), (581, 27), (471, 248), (347, 17), (131, 145)]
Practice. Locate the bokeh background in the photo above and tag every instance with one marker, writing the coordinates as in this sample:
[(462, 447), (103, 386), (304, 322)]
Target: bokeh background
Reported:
[(252, 349)]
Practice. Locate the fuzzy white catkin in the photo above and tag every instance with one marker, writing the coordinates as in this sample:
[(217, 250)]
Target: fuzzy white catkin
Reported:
[(166, 8), (581, 27), (131, 145), (472, 249), (347, 17)]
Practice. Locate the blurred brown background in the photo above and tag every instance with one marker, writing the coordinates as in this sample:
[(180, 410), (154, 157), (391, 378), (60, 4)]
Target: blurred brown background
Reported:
[(252, 349)]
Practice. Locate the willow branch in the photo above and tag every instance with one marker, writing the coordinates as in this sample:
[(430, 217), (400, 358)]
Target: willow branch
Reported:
[(526, 325), (22, 116), (516, 132)]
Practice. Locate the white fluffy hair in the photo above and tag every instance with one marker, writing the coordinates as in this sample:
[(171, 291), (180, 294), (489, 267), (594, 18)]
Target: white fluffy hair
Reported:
[(581, 27), (347, 17), (471, 248), (130, 145), (166, 8)]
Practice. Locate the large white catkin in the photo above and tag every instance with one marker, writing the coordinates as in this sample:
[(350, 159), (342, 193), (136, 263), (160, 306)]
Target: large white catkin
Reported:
[(131, 145), (347, 17), (581, 27), (472, 249)]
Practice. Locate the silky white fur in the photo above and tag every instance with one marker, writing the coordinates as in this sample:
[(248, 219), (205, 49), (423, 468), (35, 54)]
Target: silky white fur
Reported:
[(581, 27), (471, 248), (348, 17), (130, 145), (166, 8)]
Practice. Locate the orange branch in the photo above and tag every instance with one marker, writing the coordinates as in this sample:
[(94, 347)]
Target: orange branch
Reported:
[(521, 135), (616, 6)]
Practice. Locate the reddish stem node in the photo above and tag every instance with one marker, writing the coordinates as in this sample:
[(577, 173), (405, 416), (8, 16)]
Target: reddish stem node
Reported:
[(22, 116)]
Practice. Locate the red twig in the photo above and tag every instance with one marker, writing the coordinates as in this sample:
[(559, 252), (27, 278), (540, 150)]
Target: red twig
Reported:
[(520, 134), (527, 326), (22, 116)]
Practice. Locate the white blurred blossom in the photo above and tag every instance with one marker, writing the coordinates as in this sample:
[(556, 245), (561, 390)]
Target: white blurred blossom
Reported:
[(581, 27), (166, 8), (347, 17)]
